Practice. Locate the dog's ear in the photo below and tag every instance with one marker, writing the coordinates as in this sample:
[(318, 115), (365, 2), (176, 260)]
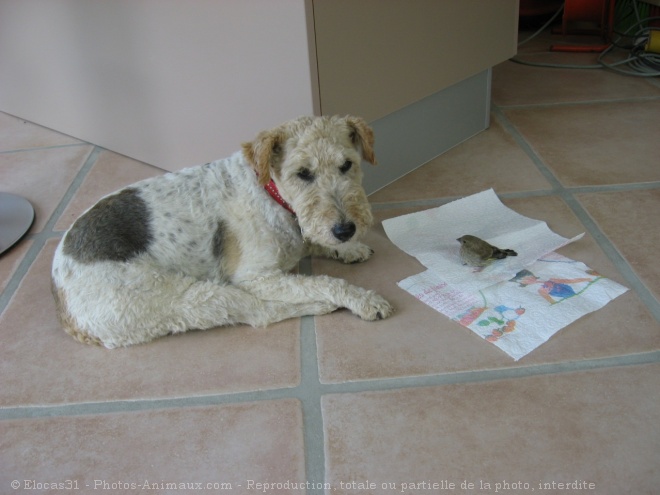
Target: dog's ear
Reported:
[(362, 137), (264, 153)]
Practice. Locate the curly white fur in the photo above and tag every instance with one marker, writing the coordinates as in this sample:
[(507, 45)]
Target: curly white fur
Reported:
[(207, 246)]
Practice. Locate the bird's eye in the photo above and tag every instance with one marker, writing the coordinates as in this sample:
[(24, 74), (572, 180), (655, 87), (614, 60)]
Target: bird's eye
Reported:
[(346, 166), (305, 174)]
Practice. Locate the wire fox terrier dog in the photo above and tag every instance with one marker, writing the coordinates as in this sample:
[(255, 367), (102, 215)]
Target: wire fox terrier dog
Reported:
[(214, 245)]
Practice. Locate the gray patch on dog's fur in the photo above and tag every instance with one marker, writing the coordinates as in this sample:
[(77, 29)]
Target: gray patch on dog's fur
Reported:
[(219, 239), (117, 228)]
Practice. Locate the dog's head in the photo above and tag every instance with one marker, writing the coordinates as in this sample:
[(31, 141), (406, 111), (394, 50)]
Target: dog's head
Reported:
[(315, 164)]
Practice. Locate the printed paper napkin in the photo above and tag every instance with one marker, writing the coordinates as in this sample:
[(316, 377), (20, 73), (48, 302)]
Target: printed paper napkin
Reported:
[(516, 303), (520, 314)]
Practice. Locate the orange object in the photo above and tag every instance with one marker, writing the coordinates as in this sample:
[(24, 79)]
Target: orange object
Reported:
[(599, 13)]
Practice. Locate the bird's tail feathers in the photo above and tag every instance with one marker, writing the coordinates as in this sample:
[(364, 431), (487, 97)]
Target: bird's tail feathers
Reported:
[(499, 254)]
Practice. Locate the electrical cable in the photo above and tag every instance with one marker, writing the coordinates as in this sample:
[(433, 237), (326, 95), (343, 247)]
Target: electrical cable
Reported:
[(542, 28), (640, 62)]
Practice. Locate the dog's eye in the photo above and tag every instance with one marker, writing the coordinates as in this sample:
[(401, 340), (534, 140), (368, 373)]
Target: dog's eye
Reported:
[(305, 174), (346, 166)]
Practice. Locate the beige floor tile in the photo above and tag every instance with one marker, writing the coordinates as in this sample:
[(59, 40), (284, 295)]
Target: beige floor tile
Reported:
[(40, 364), (490, 159), (595, 145), (10, 260), (18, 134), (598, 427), (42, 177), (633, 228), (229, 444), (417, 340), (110, 173), (515, 84)]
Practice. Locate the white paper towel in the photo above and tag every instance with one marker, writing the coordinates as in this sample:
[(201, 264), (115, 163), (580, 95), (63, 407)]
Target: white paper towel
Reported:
[(430, 236), (516, 303)]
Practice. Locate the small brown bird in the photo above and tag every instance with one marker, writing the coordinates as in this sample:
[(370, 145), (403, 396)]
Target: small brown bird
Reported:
[(477, 252)]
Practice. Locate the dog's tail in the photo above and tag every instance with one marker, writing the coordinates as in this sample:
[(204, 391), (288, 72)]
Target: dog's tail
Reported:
[(66, 320)]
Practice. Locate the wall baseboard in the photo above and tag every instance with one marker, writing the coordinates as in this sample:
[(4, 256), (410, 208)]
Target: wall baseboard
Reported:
[(408, 138)]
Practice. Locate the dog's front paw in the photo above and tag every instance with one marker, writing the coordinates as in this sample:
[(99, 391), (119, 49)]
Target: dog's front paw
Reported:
[(354, 252), (373, 307)]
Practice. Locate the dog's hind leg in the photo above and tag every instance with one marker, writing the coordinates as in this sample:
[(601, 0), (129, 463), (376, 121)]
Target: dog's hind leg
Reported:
[(141, 305), (200, 306)]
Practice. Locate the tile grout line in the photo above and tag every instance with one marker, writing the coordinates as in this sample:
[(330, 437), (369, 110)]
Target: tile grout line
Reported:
[(379, 385), (39, 239), (431, 202), (633, 186), (73, 188), (532, 106), (44, 148), (434, 202), (527, 148), (137, 405), (615, 256), (489, 375), (309, 393), (566, 194)]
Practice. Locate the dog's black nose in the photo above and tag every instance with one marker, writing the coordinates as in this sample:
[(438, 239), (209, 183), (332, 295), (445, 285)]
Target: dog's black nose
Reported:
[(343, 231)]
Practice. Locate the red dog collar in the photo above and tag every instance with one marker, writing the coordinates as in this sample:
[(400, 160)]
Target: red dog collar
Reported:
[(271, 188)]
